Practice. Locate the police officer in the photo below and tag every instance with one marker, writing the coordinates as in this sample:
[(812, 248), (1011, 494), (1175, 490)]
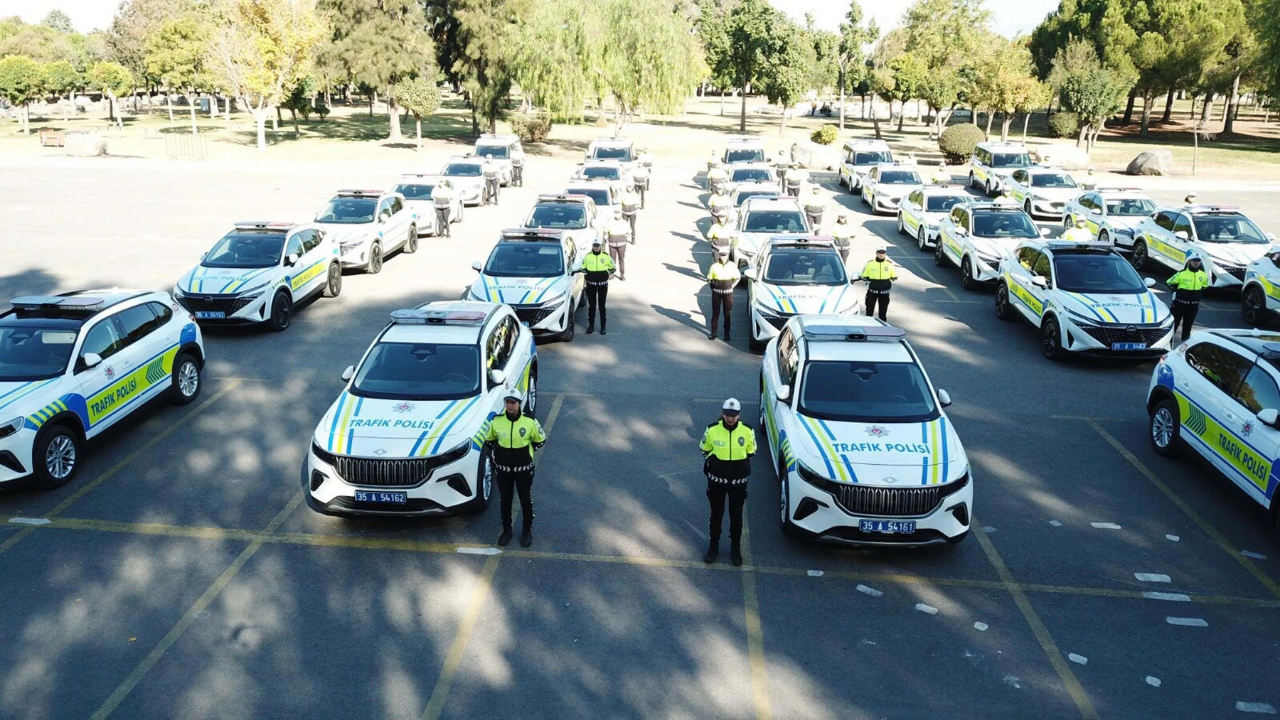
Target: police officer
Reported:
[(442, 198), (640, 181), (630, 202), (617, 232), (713, 161), (780, 166), (644, 159), (842, 235), (879, 275), (491, 182), (813, 208), (1078, 232), (941, 176), (719, 205), (598, 267), (720, 235), (723, 277), (1188, 284), (517, 170), (512, 439), (727, 446), (1006, 196), (794, 179), (716, 179)]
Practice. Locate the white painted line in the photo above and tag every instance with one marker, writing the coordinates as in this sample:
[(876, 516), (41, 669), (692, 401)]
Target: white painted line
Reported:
[(29, 521), (988, 529), (869, 591), (1256, 707), (1078, 659), (981, 626), (927, 608), (1175, 597), (1152, 577), (1106, 526), (1174, 538), (1186, 622), (1153, 681), (815, 573), (1252, 554), (479, 551), (1055, 523)]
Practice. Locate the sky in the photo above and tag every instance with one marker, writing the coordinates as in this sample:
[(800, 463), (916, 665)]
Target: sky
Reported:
[(1009, 17)]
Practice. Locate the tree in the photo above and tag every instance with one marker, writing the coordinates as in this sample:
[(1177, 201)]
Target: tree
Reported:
[(822, 47), (443, 26), (114, 80), (421, 97), (650, 57), (58, 21), (784, 76), (486, 31), (558, 57), (134, 24), (61, 78), (713, 31), (1004, 83), (949, 36), (262, 49), (850, 52), (909, 76), (1089, 88), (750, 30), (21, 81), (175, 54)]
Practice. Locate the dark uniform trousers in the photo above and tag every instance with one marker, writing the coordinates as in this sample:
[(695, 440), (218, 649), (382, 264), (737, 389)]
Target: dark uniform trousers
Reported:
[(596, 295), (442, 222), (736, 494), (1184, 314), (880, 298), (721, 300), (520, 482)]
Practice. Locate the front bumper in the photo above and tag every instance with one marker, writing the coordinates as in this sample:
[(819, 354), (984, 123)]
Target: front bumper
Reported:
[(15, 455), (358, 255), (821, 516), (544, 319), (235, 310), (884, 203), (984, 270), (438, 494), (1048, 208), (766, 327), (1223, 276), (1096, 340), (470, 195)]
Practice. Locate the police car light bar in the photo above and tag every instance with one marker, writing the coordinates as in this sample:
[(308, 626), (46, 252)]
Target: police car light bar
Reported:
[(57, 302), (420, 316), (532, 234), (1117, 189), (576, 199), (1057, 244), (262, 225), (359, 193), (854, 333)]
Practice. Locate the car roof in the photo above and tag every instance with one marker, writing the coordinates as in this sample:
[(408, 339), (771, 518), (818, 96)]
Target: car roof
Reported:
[(827, 337), (945, 190), (752, 166), (360, 193), (989, 206), (800, 241), (877, 144), (496, 139), (1258, 342), (613, 141), (463, 334), (420, 178), (468, 158), (70, 309), (757, 186), (1108, 191), (1069, 247), (563, 199), (1036, 169), (589, 184), (1211, 210), (1001, 146), (772, 203), (898, 165)]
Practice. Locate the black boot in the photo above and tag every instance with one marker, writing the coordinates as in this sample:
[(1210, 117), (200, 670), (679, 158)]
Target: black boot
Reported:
[(602, 330), (735, 553), (505, 537), (713, 552), (526, 538), (591, 327)]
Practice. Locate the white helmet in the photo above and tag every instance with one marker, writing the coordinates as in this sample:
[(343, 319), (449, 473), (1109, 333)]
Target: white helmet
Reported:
[(513, 394), (1080, 221), (732, 405), (882, 248)]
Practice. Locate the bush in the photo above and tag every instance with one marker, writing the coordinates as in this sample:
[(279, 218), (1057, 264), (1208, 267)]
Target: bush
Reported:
[(957, 142), (322, 110), (825, 135), (531, 128), (1064, 124)]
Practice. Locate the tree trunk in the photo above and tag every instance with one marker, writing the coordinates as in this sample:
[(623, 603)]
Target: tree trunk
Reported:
[(1146, 112), (742, 115), (293, 115), (990, 115), (168, 103), (875, 117), (111, 109), (1026, 122), (260, 117), (418, 121), (902, 113), (1084, 134), (722, 103), (1192, 115), (864, 106), (213, 106), (194, 130), (371, 104), (1206, 107), (1168, 108), (1226, 105), (1128, 109), (1229, 120), (842, 101), (393, 113), (475, 122), (24, 121), (782, 126), (493, 124), (276, 120), (1006, 119)]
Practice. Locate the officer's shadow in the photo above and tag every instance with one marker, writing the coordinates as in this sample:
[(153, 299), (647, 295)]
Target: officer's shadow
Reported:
[(686, 271), (681, 317)]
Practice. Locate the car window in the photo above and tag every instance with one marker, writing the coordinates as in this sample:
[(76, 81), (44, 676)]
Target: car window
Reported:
[(418, 371), (415, 191), (1086, 202), (162, 312), (348, 211), (311, 240), (900, 177), (776, 221), (497, 350), (1130, 207), (1042, 267), (136, 323), (860, 391), (1027, 257), (521, 259), (786, 347), (1002, 224), (396, 205), (103, 339), (1258, 391), (1053, 180), (30, 352), (1020, 176), (1218, 365), (295, 246), (943, 203), (1182, 224), (509, 342), (1233, 228), (804, 267), (554, 215), (915, 197), (1164, 220), (1097, 273)]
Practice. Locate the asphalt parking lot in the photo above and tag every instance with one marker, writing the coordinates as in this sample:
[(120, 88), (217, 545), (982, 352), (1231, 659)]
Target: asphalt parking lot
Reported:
[(181, 576)]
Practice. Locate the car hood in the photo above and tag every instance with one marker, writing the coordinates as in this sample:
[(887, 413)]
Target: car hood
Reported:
[(1000, 247), (1141, 309), (517, 291), (367, 427), (1233, 253), (804, 299), (467, 180), (896, 191), (887, 454), (223, 281), (35, 399), (1126, 222), (344, 233), (1063, 195)]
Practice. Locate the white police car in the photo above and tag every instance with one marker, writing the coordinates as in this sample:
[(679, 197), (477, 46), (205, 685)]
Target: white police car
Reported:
[(743, 149), (858, 436), (992, 164), (1226, 240), (1043, 190), (534, 271), (609, 170), (406, 435), (1111, 214), (621, 150), (259, 272), (759, 219), (502, 150), (606, 194), (466, 172), (886, 184), (976, 236), (749, 174), (368, 225), (857, 159), (73, 365), (1219, 394), (574, 215), (921, 210), (416, 190), (1260, 297), (796, 275), (1085, 298)]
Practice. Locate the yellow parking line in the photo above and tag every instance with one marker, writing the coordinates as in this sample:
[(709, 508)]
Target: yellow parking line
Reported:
[(1074, 689), (755, 632), (1196, 518), (458, 651)]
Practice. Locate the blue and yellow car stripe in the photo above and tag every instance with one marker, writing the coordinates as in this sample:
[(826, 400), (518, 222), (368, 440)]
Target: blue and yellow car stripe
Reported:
[(822, 437), (448, 418), (22, 391)]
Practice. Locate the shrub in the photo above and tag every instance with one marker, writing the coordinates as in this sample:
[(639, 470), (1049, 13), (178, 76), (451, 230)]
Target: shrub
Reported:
[(1064, 124), (531, 128), (322, 110), (957, 142), (825, 135)]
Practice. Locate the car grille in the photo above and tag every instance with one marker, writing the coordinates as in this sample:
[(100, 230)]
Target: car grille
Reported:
[(228, 304), (384, 473), (1235, 272), (1148, 334), (532, 314), (858, 499), (1057, 205)]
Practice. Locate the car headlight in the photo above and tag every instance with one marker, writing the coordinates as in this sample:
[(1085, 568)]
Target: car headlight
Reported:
[(767, 312), (553, 301), (1080, 319), (177, 293), (252, 293), (814, 479), (1123, 231), (322, 454), (350, 245), (455, 454), (1167, 322), (11, 427)]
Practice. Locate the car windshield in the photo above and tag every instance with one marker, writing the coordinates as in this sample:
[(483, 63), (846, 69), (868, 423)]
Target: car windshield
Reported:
[(415, 191), (34, 353), (804, 267), (943, 203), (348, 211), (872, 157), (497, 152), (247, 250), (1234, 228), (745, 195), (565, 217), (900, 177), (1010, 160), (1131, 207), (775, 221), (525, 259), (612, 153), (462, 170), (419, 371), (750, 175), (600, 195), (1013, 224), (856, 391), (602, 171), (1096, 273), (744, 155), (1055, 180)]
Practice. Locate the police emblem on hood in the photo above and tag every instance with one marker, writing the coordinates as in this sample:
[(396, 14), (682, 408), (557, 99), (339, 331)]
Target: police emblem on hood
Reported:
[(877, 431), (403, 407)]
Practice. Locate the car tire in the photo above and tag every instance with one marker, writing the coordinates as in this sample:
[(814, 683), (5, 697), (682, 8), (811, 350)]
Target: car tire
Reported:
[(1253, 304), (375, 260), (973, 181), (531, 394), (939, 258), (922, 240), (966, 274), (902, 229), (411, 243), (1138, 258), (333, 284), (1165, 428), (461, 209), (784, 503), (570, 329), (186, 380), (281, 312), (1104, 236), (56, 456), (1066, 222), (1004, 308), (987, 189), (484, 485), (1051, 339)]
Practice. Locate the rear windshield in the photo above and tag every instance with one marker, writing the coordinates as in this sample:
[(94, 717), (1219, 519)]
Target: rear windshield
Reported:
[(600, 195), (348, 211), (738, 156), (1234, 228), (517, 259), (775, 221), (874, 157), (497, 152), (248, 250), (804, 267), (900, 177), (612, 153), (943, 203), (1003, 225), (1131, 207), (564, 217), (34, 353), (416, 191), (745, 195), (1053, 181), (1010, 160), (750, 175), (419, 371), (462, 170), (602, 171), (1097, 273), (855, 391)]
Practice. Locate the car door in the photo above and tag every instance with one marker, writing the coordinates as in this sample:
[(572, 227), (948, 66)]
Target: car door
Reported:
[(1018, 188), (1161, 243), (1093, 212), (1042, 268), (1260, 447), (104, 339), (1206, 401), (912, 207), (138, 370), (869, 187), (1020, 285), (957, 234), (401, 218), (778, 372), (1184, 238), (309, 273), (495, 358), (577, 281)]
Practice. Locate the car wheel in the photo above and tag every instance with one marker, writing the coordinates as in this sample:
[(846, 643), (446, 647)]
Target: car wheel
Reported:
[(484, 485), (281, 312), (922, 240), (1051, 340), (902, 229), (1104, 236), (411, 244), (760, 420), (461, 209), (973, 182), (531, 395), (1066, 222), (1139, 256), (1252, 306), (333, 286), (186, 379), (1166, 428), (966, 275), (1004, 309), (784, 506), (571, 327), (56, 456), (375, 259), (939, 258)]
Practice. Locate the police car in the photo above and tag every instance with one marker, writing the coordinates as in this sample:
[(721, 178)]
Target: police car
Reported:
[(886, 184), (73, 365), (976, 236), (1219, 394), (1043, 191), (1226, 240), (574, 215), (857, 159), (751, 173), (921, 210), (1085, 298), (1111, 214), (502, 150), (743, 149), (796, 274), (992, 164), (259, 272), (416, 190), (759, 219), (406, 435), (368, 225), (858, 437), (1260, 297), (466, 172), (609, 170), (606, 194), (622, 150), (533, 271)]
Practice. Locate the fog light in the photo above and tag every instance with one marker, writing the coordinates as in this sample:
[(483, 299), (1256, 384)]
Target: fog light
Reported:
[(459, 484), (317, 479), (807, 507), (961, 513)]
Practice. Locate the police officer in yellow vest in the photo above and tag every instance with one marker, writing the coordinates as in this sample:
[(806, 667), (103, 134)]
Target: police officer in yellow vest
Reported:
[(512, 439), (723, 277), (1188, 284), (1078, 232), (727, 446), (598, 268), (879, 274), (720, 234), (842, 236)]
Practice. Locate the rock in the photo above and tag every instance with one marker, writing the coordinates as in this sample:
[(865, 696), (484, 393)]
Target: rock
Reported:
[(814, 156), (85, 144), (1151, 162), (1068, 157)]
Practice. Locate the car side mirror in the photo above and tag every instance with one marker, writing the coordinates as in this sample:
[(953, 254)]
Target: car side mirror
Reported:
[(944, 398), (784, 394), (1269, 417), (1271, 237), (477, 266), (497, 377), (1044, 232), (1096, 211), (383, 217), (1039, 281), (91, 359), (962, 231), (349, 373), (1149, 282), (1182, 235), (291, 260)]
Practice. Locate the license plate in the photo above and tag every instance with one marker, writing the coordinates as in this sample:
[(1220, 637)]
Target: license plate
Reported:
[(1128, 346), (209, 315), (384, 498), (888, 527)]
